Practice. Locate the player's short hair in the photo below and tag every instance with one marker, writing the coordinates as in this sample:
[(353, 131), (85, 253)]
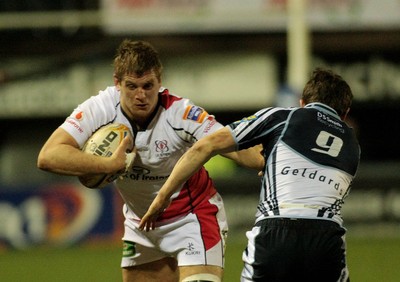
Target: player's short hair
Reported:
[(329, 88), (136, 57)]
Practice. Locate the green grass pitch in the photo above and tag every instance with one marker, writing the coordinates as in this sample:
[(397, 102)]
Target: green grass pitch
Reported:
[(369, 259)]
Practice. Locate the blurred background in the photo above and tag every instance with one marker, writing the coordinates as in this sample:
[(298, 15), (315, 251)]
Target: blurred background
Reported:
[(232, 57)]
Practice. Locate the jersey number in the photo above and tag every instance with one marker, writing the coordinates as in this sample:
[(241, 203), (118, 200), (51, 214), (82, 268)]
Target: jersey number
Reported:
[(328, 144)]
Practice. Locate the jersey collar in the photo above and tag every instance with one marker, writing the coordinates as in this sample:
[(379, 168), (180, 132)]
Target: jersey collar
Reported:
[(322, 107)]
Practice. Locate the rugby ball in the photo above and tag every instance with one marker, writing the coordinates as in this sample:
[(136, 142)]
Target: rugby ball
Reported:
[(103, 143)]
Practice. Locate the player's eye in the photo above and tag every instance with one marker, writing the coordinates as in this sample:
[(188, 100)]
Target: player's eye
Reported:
[(148, 86), (131, 86)]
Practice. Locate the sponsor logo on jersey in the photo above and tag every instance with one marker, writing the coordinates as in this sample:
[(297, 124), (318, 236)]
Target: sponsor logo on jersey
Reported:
[(190, 250), (129, 249), (246, 119), (328, 121), (211, 123), (143, 174), (79, 116), (195, 113), (313, 175), (74, 124)]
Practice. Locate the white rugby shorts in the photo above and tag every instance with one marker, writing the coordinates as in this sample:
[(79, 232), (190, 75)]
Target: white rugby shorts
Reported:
[(195, 239)]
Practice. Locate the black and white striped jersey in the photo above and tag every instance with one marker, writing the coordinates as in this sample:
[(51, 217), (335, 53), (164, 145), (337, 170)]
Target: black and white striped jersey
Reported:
[(311, 159)]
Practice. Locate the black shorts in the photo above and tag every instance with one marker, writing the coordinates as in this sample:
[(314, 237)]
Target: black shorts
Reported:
[(284, 249)]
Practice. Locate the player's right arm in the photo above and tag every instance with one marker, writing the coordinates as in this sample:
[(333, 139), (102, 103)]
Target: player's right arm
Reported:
[(219, 142), (61, 154)]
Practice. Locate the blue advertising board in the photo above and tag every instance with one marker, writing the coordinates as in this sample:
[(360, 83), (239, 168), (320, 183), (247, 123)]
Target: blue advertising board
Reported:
[(60, 214)]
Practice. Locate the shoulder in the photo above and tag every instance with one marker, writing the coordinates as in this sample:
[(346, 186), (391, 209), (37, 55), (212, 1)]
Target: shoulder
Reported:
[(167, 99), (106, 100), (181, 108), (110, 94), (270, 114)]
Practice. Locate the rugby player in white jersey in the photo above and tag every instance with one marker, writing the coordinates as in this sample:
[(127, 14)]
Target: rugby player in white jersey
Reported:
[(189, 239), (311, 158)]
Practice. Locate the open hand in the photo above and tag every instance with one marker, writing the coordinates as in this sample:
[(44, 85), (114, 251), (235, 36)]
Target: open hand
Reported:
[(148, 221)]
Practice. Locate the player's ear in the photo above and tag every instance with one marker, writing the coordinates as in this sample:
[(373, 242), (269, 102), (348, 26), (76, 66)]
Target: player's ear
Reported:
[(343, 117), (302, 103), (116, 82)]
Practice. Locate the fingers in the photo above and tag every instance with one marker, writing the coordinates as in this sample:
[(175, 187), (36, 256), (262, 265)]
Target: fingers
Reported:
[(123, 157), (125, 146), (127, 143), (148, 222), (130, 158)]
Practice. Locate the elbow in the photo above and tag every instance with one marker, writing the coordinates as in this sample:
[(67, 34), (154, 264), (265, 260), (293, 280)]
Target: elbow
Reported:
[(201, 148), (261, 164), (43, 162)]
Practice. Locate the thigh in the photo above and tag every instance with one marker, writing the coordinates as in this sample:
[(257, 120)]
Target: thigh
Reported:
[(291, 249), (197, 239), (327, 259), (200, 237), (161, 270), (194, 243), (139, 249)]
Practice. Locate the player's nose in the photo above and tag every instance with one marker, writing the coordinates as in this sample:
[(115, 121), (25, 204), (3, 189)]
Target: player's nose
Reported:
[(140, 93)]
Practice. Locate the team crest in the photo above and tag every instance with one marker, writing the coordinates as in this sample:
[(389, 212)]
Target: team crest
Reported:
[(161, 146)]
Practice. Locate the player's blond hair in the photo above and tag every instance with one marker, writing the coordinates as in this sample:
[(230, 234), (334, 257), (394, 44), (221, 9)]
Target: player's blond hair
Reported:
[(329, 88), (136, 57)]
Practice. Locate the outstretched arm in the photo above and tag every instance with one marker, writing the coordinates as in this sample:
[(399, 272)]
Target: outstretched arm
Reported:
[(220, 142), (250, 158)]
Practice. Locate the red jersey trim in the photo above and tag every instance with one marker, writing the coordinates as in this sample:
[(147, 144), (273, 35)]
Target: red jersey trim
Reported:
[(194, 193), (166, 99)]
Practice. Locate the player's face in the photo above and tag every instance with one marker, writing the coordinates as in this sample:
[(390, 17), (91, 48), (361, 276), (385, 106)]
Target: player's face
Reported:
[(139, 96)]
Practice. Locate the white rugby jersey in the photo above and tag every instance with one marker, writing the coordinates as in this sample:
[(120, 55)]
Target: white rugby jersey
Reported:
[(311, 159), (175, 126)]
